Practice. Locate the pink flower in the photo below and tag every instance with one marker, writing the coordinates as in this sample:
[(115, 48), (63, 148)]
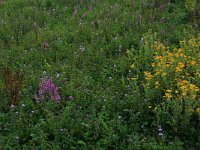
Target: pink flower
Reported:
[(46, 45), (58, 98), (35, 24), (70, 98), (45, 24)]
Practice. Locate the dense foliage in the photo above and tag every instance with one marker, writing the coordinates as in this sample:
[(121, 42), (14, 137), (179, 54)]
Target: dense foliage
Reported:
[(100, 74)]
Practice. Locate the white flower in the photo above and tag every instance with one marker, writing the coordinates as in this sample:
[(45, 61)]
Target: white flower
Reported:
[(12, 106)]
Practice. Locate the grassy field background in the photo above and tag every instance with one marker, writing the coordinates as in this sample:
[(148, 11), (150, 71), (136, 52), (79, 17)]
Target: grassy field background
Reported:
[(99, 74)]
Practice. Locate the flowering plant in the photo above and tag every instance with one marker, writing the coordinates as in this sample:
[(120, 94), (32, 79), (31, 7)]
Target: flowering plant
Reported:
[(48, 90), (170, 80)]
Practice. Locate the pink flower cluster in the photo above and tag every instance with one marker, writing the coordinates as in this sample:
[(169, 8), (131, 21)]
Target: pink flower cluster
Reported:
[(47, 88)]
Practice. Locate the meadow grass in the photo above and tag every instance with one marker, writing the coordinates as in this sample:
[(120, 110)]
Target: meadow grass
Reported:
[(79, 74)]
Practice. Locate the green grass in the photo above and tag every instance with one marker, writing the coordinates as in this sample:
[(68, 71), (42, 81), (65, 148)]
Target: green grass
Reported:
[(92, 45)]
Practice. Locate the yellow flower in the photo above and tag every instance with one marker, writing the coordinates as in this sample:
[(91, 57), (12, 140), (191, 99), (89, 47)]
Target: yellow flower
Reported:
[(198, 110), (148, 75), (183, 87), (192, 87), (181, 65), (194, 96), (182, 42), (133, 66), (164, 74), (157, 84), (158, 48), (180, 51), (193, 62), (133, 78), (184, 93), (168, 91), (187, 74), (184, 81), (168, 94), (153, 64), (158, 57), (176, 91), (178, 69)]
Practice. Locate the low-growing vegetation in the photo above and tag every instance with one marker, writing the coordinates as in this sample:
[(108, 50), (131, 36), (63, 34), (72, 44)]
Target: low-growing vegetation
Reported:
[(103, 74)]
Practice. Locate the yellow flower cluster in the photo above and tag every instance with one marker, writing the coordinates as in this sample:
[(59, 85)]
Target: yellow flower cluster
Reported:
[(148, 75), (168, 94), (198, 110), (176, 70), (187, 89)]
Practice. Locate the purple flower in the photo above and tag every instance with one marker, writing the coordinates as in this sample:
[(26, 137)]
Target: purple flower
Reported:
[(161, 8), (70, 98), (47, 88), (45, 24), (58, 98), (35, 24), (46, 45)]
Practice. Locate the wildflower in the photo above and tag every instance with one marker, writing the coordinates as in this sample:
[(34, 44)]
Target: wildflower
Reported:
[(82, 49), (198, 110), (168, 94), (16, 113), (44, 73), (161, 8), (176, 91), (58, 98), (193, 62), (193, 96), (192, 87), (70, 98), (158, 57), (178, 69), (160, 131), (160, 134), (57, 75), (45, 25), (46, 87), (184, 93), (181, 65), (148, 75), (133, 78), (12, 106), (133, 66), (153, 64), (182, 42), (157, 84), (46, 45), (35, 24), (17, 138)]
